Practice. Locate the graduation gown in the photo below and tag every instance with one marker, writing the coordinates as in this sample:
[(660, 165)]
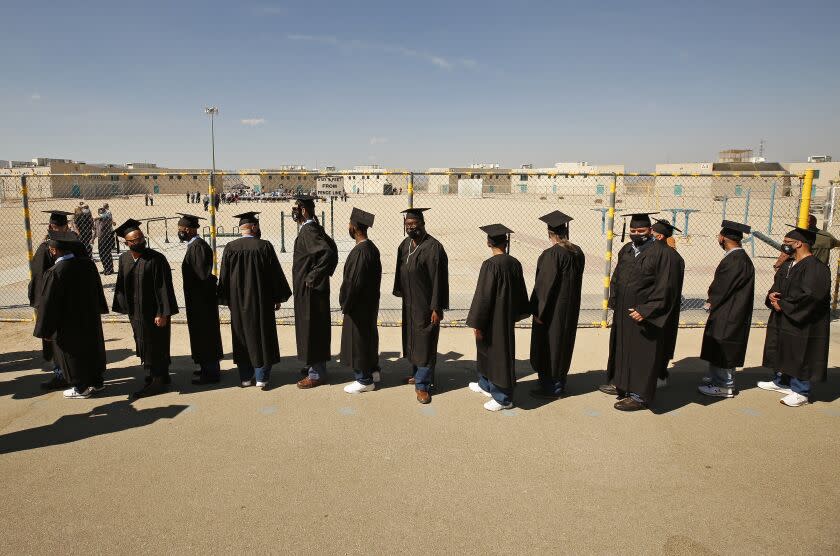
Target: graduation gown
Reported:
[(314, 261), (500, 300), (644, 283), (556, 302), (421, 279), (359, 299), (201, 302), (672, 325), (71, 302), (730, 311), (251, 282), (143, 291), (798, 336)]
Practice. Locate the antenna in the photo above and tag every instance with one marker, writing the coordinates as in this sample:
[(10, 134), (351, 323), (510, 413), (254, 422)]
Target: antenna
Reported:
[(761, 149)]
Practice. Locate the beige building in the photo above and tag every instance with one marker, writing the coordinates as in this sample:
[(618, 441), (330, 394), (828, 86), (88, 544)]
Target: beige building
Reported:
[(444, 181)]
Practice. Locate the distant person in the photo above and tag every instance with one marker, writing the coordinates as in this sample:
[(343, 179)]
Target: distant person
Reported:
[(499, 301), (72, 301), (555, 304), (359, 300), (201, 302), (252, 285), (663, 230), (730, 306), (216, 201), (824, 242), (151, 201), (42, 261), (421, 279), (188, 197), (83, 221), (314, 260), (145, 293), (104, 233), (206, 202), (798, 331), (146, 198)]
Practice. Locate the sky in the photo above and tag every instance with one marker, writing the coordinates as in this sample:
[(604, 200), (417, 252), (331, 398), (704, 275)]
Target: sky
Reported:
[(413, 85)]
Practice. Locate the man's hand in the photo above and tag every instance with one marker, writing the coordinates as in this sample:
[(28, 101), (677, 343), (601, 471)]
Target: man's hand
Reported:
[(161, 321), (436, 317), (634, 314), (478, 335), (276, 306), (707, 306), (774, 296)]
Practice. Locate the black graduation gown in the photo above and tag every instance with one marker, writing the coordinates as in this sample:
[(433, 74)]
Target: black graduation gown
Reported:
[(644, 283), (421, 279), (143, 291), (556, 302), (201, 302), (730, 312), (798, 336), (314, 261), (500, 300), (71, 302), (672, 325), (359, 299), (251, 282)]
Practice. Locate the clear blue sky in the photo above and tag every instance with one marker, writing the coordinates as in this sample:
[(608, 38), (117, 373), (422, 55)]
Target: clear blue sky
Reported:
[(418, 84)]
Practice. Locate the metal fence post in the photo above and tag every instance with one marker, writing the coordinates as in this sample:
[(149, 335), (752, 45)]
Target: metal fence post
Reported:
[(608, 253), (27, 227), (212, 207), (332, 216), (805, 203), (283, 231), (411, 190), (772, 206), (747, 207)]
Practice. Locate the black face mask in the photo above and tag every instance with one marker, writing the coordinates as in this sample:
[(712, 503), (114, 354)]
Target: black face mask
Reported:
[(183, 236), (722, 245), (638, 239), (138, 247), (415, 233), (788, 249), (350, 231)]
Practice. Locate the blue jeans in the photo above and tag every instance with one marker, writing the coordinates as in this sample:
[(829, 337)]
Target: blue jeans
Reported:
[(318, 370), (501, 395), (721, 377), (551, 385), (247, 372), (210, 370), (422, 377), (801, 387), (363, 377)]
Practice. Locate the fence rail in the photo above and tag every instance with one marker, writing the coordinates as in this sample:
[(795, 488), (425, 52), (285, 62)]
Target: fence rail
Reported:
[(461, 201)]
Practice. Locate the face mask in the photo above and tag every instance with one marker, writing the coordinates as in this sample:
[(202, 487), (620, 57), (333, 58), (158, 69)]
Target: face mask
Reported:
[(256, 233), (638, 239), (138, 247), (350, 231), (183, 236), (296, 216), (788, 249), (722, 245), (415, 233)]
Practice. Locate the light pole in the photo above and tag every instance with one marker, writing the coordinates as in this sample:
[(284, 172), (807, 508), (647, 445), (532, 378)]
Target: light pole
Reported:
[(212, 111)]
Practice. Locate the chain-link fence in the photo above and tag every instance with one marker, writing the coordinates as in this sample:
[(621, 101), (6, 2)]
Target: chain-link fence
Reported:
[(459, 203)]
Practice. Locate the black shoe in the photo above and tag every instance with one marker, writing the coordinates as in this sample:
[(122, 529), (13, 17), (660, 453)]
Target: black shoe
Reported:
[(166, 380), (629, 404), (55, 383), (265, 387), (540, 393), (204, 380), (608, 389), (155, 387), (197, 373)]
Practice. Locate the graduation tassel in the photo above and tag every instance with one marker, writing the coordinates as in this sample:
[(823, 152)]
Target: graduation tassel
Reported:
[(623, 229), (507, 247)]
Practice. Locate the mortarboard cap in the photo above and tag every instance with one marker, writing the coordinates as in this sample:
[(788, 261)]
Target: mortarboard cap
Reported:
[(304, 198), (638, 219), (496, 230), (127, 226), (802, 234), (664, 227), (359, 216), (247, 218), (414, 213), (58, 217), (734, 230), (66, 241), (188, 220), (556, 219)]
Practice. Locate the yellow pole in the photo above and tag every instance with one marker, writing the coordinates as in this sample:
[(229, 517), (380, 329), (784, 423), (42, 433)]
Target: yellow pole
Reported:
[(608, 253), (805, 204)]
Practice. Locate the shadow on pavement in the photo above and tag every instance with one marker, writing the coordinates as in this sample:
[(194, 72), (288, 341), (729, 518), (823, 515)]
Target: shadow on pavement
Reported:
[(105, 419)]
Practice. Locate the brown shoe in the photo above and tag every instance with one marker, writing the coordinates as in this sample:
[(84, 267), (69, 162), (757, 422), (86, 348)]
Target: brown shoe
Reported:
[(309, 383), (608, 389), (423, 396), (629, 404), (409, 380)]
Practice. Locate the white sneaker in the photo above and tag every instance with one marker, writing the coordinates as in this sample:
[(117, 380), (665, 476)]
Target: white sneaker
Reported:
[(478, 389), (246, 383), (261, 384), (377, 377), (357, 387), (73, 394), (493, 405), (661, 383), (716, 391), (794, 400), (773, 387)]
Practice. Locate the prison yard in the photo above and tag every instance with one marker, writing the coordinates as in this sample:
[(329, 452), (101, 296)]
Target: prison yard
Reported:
[(459, 204)]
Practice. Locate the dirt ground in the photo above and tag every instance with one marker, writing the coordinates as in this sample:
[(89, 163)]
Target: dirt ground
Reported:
[(288, 471)]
